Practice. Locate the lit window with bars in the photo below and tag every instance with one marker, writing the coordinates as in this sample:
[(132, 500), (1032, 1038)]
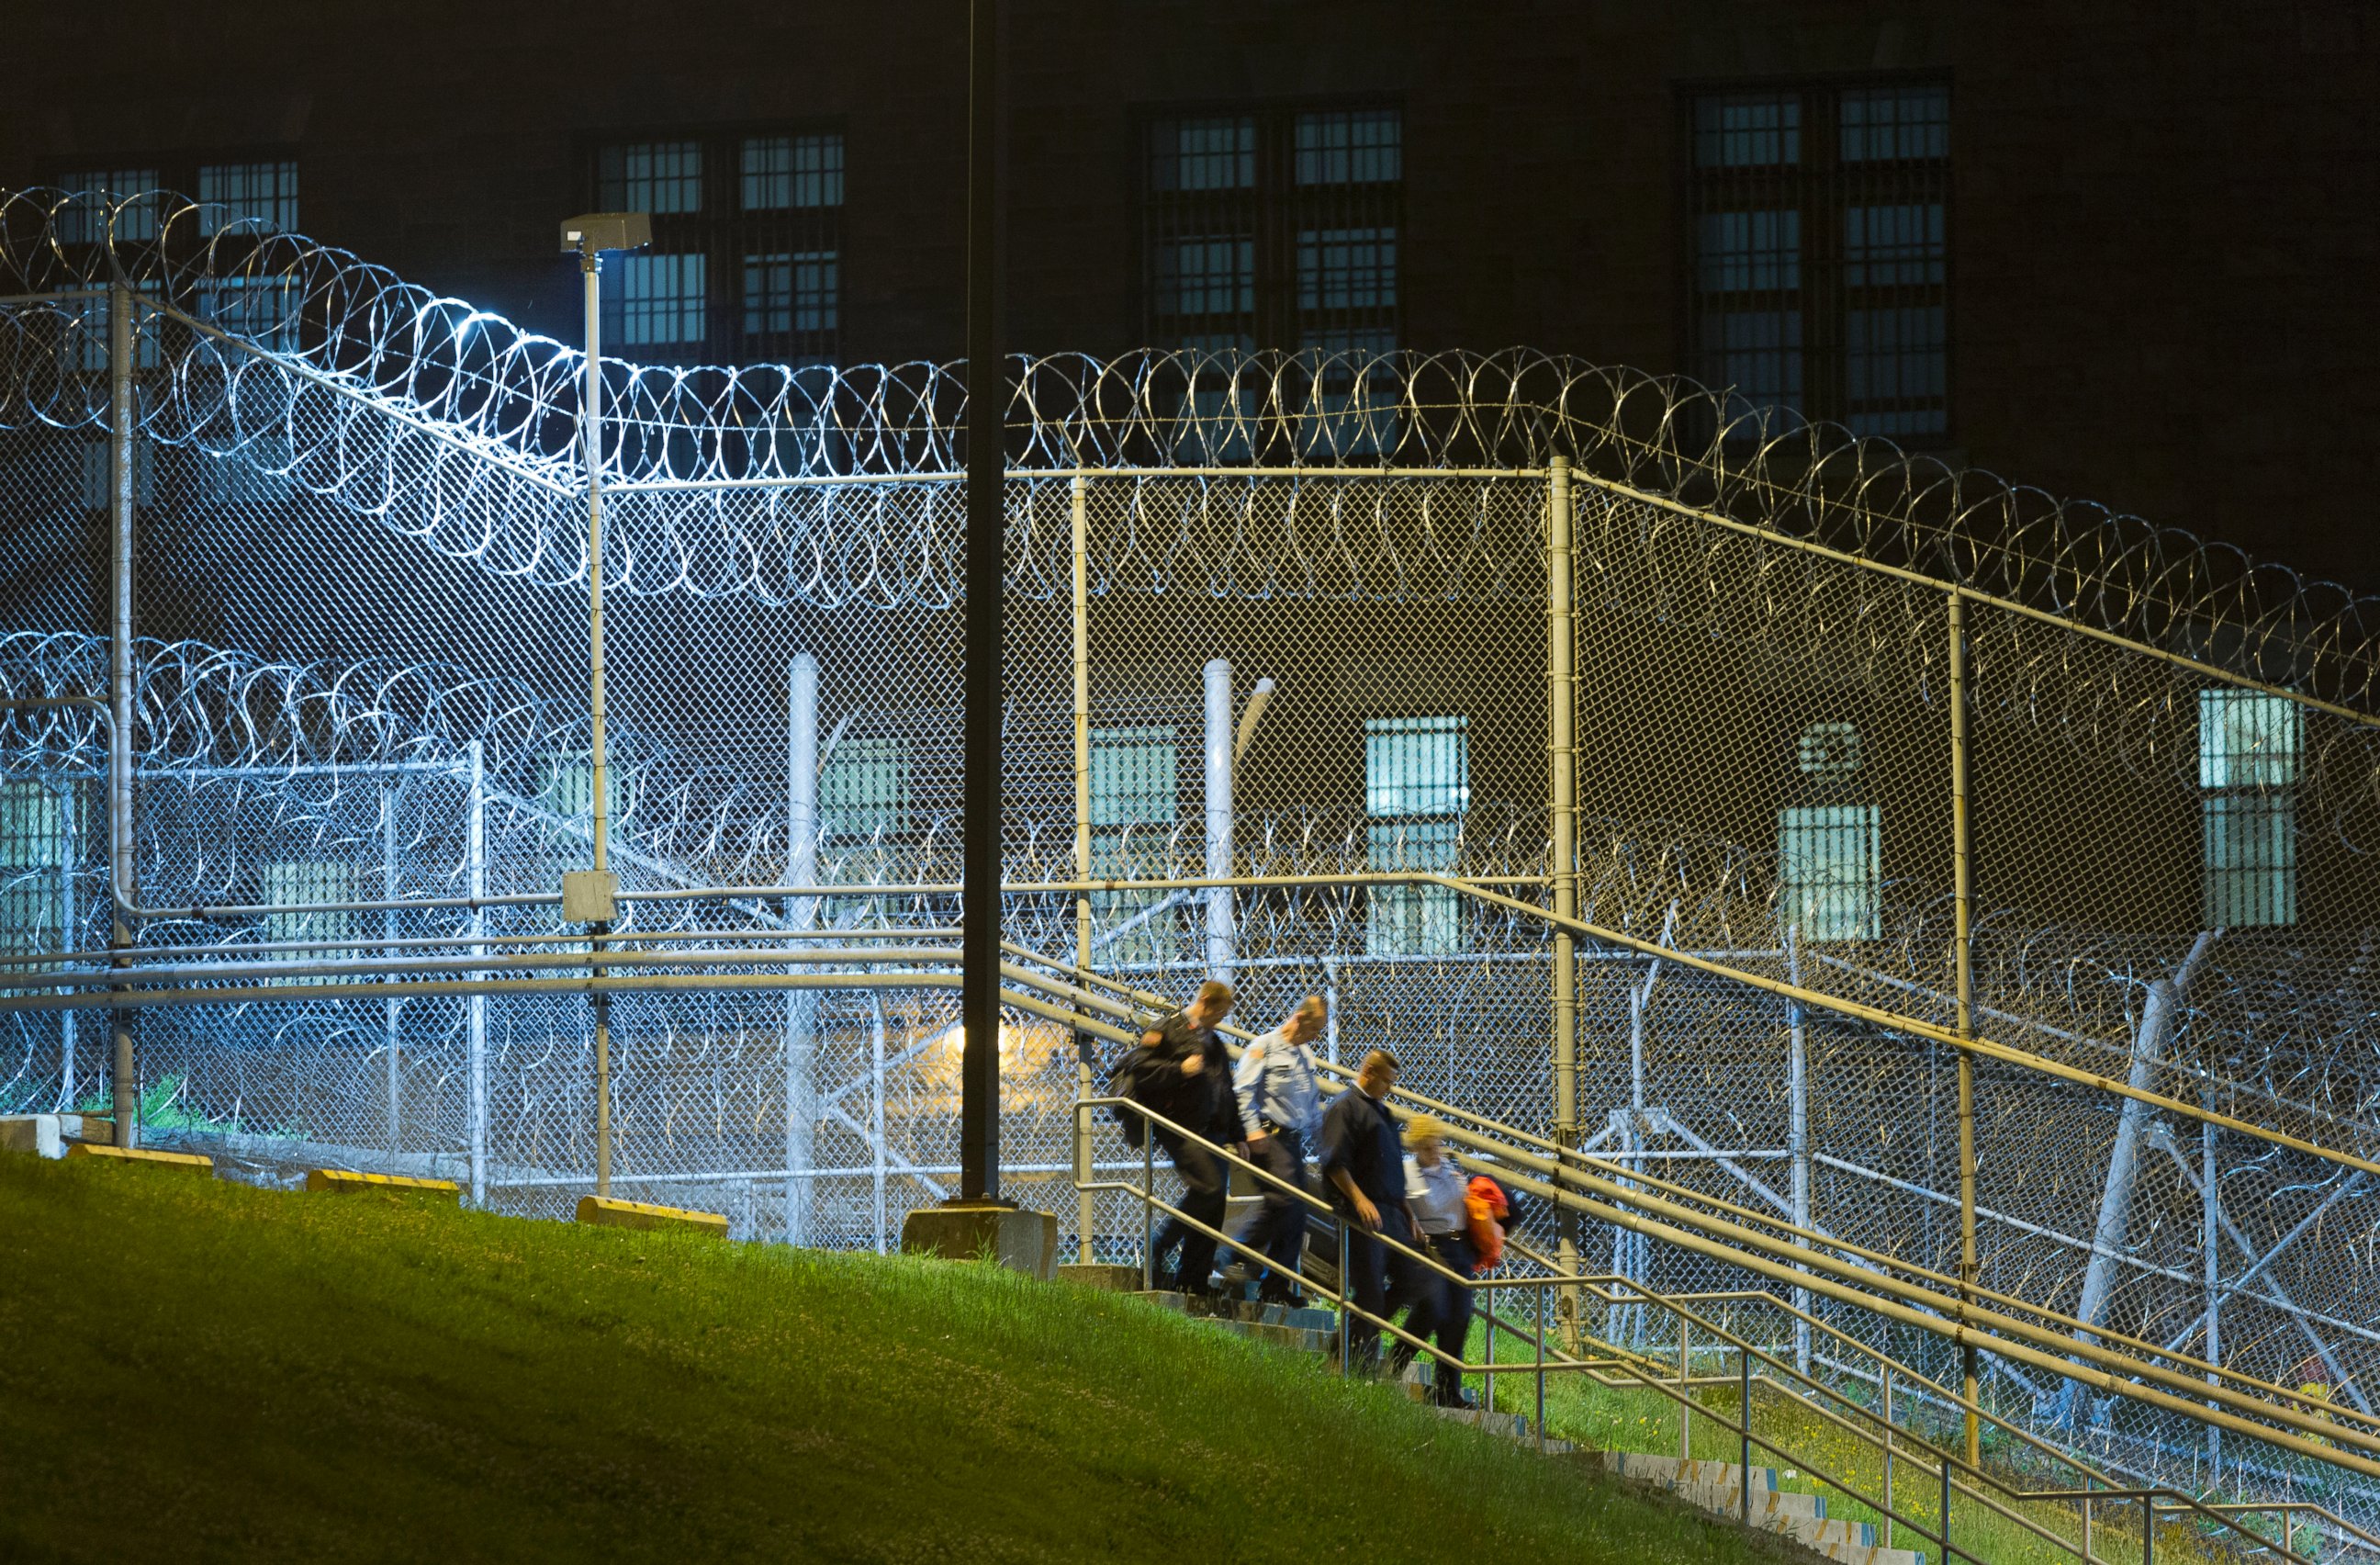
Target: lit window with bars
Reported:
[(257, 197), (90, 330), (1818, 265), (1134, 806), (864, 789), (659, 177), (1829, 850), (1269, 227), (783, 172), (790, 292), (656, 301), (86, 221), (567, 793), (291, 883), (2249, 745), (36, 853), (1416, 789), (747, 262)]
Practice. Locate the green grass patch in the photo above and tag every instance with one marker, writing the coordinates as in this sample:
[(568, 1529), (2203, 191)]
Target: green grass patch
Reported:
[(199, 1370)]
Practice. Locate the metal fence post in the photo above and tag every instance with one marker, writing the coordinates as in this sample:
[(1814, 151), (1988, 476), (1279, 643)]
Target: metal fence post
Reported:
[(124, 1094), (1963, 946), (1946, 1508), (1797, 1130), (476, 1022), (1086, 1204), (1562, 811), (802, 760), (1541, 1366), (590, 417)]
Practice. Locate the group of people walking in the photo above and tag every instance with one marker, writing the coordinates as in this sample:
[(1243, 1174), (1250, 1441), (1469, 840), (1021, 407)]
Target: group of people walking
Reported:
[(1382, 1184)]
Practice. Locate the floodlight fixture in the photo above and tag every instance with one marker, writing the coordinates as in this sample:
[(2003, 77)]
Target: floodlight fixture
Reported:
[(591, 233)]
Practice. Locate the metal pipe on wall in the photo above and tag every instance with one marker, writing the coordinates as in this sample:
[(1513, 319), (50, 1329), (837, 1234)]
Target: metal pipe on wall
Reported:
[(1221, 938)]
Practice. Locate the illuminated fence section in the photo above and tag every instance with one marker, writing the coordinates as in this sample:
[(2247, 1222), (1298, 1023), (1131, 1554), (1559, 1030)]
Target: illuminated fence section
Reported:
[(360, 676)]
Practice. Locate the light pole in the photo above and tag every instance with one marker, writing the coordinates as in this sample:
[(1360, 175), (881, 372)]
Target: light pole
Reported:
[(590, 897)]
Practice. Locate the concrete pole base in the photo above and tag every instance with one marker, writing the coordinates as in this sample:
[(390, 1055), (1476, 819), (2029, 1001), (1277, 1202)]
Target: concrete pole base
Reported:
[(967, 1231)]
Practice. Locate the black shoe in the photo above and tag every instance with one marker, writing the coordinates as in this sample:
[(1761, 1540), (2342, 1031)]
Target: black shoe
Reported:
[(1282, 1294)]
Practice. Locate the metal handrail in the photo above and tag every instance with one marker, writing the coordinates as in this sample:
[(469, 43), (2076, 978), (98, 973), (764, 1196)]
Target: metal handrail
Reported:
[(1562, 1162), (1980, 1484)]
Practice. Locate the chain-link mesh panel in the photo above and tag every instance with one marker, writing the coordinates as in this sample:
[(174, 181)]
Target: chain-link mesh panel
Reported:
[(1315, 653)]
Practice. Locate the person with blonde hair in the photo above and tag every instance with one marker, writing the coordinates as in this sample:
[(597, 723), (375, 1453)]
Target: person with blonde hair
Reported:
[(1281, 1108), (1435, 1190)]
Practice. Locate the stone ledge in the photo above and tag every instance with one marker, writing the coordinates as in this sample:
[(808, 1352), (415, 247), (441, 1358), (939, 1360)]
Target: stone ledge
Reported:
[(346, 1183), (1019, 1240), (604, 1212)]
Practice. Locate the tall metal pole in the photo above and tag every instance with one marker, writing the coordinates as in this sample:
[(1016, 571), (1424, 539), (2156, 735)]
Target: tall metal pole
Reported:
[(1797, 1130), (1221, 938), (591, 264), (125, 1086), (390, 882), (1086, 1204), (2208, 1238), (1962, 926), (1562, 812), (987, 523), (476, 1018), (801, 869)]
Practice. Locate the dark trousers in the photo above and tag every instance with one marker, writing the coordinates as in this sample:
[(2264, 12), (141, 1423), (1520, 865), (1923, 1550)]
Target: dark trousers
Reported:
[(1202, 1171), (1379, 1281), (1448, 1326), (1277, 1227)]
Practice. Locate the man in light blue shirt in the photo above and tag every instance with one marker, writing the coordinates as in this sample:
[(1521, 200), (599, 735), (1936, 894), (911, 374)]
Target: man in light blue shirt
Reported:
[(1280, 1104)]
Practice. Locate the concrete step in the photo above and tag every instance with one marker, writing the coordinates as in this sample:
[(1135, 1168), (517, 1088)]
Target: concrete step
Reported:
[(1718, 1487)]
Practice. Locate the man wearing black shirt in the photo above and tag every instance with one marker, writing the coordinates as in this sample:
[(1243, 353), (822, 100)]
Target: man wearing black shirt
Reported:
[(1189, 1082), (1364, 1162)]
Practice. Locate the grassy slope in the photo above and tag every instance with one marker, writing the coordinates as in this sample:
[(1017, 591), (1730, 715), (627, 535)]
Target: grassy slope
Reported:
[(192, 1369)]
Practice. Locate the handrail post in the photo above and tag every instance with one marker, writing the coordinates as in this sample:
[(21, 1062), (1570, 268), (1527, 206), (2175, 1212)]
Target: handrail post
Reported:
[(1685, 1391), (1946, 1508), (1541, 1291), (1147, 1205), (2148, 1528), (1346, 1291), (1963, 956), (1562, 811), (1887, 1456), (1743, 1417), (2086, 1518), (1487, 1378)]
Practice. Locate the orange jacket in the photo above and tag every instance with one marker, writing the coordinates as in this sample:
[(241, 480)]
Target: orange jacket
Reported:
[(1483, 1205)]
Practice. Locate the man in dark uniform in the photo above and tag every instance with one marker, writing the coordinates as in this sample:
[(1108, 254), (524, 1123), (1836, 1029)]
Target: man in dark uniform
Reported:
[(1363, 1163), (1189, 1082)]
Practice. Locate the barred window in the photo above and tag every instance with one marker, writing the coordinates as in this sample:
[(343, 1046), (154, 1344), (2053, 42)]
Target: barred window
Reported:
[(1819, 228), (790, 292), (2250, 744), (1269, 228), (1416, 788), (1831, 870), (1830, 849), (261, 197), (655, 300), (747, 262), (567, 791), (1134, 804), (91, 327), (35, 855), (290, 884), (85, 222), (659, 177), (790, 171), (1361, 147), (864, 789)]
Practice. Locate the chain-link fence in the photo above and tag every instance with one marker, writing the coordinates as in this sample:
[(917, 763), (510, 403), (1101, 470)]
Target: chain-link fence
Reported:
[(358, 711)]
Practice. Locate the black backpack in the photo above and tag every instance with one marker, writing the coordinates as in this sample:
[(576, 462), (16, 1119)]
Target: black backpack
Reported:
[(1131, 1077)]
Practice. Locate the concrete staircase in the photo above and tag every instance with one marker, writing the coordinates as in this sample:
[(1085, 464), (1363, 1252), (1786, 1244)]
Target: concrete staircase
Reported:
[(1718, 1487)]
